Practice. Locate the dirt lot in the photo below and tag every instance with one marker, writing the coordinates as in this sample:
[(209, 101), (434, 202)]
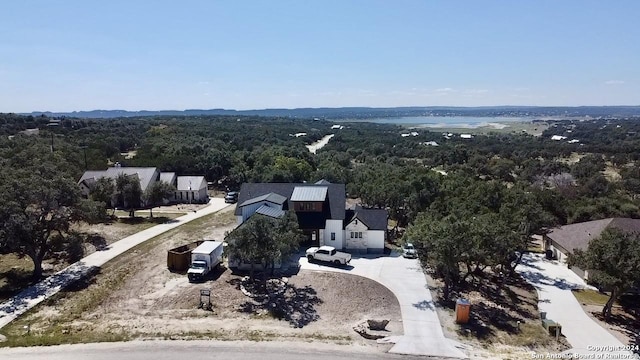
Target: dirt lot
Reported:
[(135, 296), (493, 331)]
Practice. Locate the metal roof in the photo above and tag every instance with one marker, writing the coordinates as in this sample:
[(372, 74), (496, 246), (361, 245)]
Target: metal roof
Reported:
[(309, 193), (335, 197), (270, 211), (169, 177), (191, 183), (270, 197), (147, 175)]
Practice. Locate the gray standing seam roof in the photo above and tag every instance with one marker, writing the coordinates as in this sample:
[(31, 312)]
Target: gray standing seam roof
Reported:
[(270, 197), (190, 183), (270, 211), (336, 195), (309, 193), (168, 177)]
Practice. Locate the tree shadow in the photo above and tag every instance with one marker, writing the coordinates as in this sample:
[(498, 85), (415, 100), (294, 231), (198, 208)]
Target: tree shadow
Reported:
[(74, 278), (538, 279), (98, 241), (424, 305), (140, 220), (296, 305), (15, 280), (626, 318)]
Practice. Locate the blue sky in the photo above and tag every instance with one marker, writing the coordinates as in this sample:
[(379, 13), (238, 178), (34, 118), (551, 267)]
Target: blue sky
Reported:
[(65, 55)]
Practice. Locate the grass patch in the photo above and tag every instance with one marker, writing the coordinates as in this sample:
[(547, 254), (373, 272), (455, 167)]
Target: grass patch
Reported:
[(62, 336), (590, 297)]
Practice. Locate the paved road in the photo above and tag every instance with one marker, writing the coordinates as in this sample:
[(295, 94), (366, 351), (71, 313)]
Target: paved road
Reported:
[(404, 277), (200, 349), (554, 283), (41, 291)]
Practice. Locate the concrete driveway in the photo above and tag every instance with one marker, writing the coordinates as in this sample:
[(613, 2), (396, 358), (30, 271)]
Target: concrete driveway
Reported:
[(554, 282), (46, 288), (404, 277)]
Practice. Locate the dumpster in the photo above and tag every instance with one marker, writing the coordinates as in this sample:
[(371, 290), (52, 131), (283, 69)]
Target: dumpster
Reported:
[(179, 259), (463, 310)]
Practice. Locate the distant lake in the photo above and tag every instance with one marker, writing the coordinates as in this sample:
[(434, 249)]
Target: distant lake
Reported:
[(470, 122)]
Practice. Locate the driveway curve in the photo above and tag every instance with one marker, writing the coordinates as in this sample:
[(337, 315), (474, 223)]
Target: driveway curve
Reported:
[(553, 283), (404, 277), (35, 294)]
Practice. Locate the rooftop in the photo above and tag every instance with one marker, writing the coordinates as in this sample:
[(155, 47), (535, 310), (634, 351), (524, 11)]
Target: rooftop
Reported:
[(309, 193)]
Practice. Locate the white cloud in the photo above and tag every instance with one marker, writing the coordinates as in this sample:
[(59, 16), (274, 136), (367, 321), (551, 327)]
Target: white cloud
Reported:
[(445, 90), (614, 82)]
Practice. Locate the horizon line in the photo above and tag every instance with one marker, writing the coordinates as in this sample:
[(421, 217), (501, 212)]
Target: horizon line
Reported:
[(330, 107)]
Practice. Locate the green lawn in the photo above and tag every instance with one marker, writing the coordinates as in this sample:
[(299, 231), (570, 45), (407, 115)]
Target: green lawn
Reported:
[(590, 297)]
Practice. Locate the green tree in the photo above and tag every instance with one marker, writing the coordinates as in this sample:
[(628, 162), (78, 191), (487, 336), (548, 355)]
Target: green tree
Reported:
[(264, 240), (442, 245), (128, 192), (613, 263), (37, 204), (156, 193), (103, 191)]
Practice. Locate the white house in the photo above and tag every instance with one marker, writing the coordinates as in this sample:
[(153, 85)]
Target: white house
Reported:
[(191, 189), (365, 229), (321, 212), (188, 188)]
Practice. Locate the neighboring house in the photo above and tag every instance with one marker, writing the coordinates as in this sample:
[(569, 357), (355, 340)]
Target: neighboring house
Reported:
[(365, 229), (564, 240), (321, 213), (189, 188)]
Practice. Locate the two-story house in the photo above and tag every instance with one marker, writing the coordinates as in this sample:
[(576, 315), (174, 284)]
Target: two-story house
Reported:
[(321, 212)]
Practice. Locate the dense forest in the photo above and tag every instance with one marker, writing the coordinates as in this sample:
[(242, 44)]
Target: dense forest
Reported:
[(468, 204), (592, 179)]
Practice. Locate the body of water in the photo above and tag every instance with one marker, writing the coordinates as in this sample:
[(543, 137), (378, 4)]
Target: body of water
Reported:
[(470, 122)]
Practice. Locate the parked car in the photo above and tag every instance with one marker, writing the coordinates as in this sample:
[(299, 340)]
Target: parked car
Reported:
[(328, 254), (409, 251), (231, 197)]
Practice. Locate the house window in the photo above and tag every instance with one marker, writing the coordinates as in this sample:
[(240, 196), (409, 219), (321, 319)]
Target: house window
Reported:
[(352, 234), (333, 236), (360, 235)]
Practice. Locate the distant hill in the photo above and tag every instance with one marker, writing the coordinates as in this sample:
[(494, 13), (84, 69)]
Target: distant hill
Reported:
[(368, 113)]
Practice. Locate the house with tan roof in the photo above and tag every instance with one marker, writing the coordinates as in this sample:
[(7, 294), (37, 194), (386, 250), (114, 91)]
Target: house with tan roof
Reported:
[(562, 241)]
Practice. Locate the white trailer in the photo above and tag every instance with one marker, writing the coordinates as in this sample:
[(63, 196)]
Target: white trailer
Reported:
[(204, 258)]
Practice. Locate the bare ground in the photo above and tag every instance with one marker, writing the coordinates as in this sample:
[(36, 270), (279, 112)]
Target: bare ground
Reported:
[(493, 331), (624, 323), (135, 296)]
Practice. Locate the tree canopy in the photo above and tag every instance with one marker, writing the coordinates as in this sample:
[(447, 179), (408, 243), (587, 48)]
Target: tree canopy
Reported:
[(38, 201), (265, 240), (613, 263)]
